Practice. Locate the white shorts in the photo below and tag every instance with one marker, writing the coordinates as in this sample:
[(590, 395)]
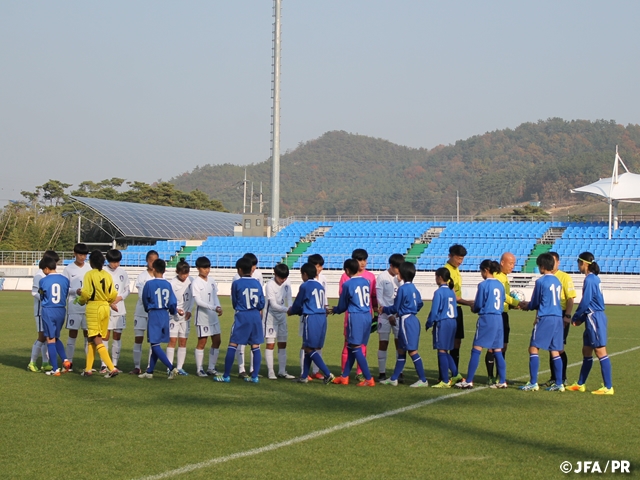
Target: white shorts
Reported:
[(275, 330), (140, 323), (117, 323), (385, 329), (39, 326), (179, 328), (208, 330), (76, 321)]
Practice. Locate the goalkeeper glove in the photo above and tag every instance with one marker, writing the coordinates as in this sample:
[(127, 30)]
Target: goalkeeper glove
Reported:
[(374, 324)]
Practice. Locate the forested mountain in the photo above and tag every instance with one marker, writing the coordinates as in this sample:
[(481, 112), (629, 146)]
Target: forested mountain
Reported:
[(343, 173)]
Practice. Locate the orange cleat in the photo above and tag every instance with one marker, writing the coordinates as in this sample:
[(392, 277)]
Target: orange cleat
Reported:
[(367, 383), (66, 366), (318, 376), (310, 378), (341, 380)]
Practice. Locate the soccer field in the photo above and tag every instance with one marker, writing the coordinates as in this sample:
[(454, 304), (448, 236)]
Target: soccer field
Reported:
[(127, 428)]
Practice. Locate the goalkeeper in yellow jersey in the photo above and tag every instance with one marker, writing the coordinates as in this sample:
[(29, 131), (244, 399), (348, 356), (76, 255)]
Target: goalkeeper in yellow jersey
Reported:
[(98, 293)]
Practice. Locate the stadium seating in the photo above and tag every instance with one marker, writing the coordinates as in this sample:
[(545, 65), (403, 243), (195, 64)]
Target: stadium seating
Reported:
[(134, 255)]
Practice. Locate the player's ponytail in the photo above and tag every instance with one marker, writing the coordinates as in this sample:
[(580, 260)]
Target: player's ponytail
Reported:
[(490, 266), (445, 275), (589, 259)]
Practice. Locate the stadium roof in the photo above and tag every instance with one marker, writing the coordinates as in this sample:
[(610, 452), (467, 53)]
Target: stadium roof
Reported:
[(136, 220)]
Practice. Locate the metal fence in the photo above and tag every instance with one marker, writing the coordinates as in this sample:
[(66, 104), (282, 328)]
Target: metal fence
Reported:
[(28, 258)]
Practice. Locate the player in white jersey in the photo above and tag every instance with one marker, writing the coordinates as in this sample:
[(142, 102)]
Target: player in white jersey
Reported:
[(207, 324), (318, 261), (76, 320), (387, 285), (40, 345), (117, 320), (140, 316), (278, 299), (179, 324), (257, 274)]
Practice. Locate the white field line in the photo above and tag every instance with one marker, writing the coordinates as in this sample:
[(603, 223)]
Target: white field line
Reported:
[(335, 428)]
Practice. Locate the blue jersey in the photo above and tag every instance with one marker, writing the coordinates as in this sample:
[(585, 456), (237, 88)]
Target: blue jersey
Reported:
[(489, 298), (408, 301), (592, 299), (546, 296), (246, 294), (158, 295), (355, 296), (444, 305), (310, 299), (53, 291)]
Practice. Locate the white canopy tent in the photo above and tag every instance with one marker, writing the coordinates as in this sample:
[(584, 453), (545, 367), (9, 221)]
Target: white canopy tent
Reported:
[(618, 188)]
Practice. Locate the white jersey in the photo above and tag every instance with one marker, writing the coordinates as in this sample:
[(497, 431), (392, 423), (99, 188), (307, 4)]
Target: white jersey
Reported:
[(257, 274), (35, 291), (205, 296), (323, 281), (121, 284), (184, 295), (75, 275), (386, 289), (143, 278), (278, 299)]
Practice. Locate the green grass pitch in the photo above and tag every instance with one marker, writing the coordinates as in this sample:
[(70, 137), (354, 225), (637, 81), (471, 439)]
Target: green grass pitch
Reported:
[(125, 428)]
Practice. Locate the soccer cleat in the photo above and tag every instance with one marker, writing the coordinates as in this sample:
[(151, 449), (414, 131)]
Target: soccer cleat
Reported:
[(46, 367), (456, 379), (112, 373), (441, 385), (498, 385), (555, 388), (420, 383), (53, 373), (341, 380), (318, 376), (310, 379), (242, 375), (329, 379), (86, 374), (212, 371), (173, 374), (492, 380), (577, 388), (388, 381), (251, 379), (401, 378), (104, 369), (367, 383), (202, 373), (359, 377), (548, 383), (530, 387), (222, 379), (603, 391), (272, 376), (145, 375), (300, 380), (289, 377), (135, 371), (382, 376), (67, 366), (464, 384), (32, 367)]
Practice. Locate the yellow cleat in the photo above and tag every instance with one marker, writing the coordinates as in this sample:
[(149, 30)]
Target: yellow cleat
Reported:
[(441, 385), (576, 388), (603, 391)]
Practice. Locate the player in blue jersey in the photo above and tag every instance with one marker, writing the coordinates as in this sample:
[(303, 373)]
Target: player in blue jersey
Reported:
[(489, 304), (355, 299), (247, 299), (442, 318), (591, 313), (158, 300), (53, 290), (406, 305), (548, 326), (310, 305)]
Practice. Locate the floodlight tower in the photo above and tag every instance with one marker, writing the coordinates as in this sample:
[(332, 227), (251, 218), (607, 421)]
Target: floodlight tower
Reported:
[(275, 122)]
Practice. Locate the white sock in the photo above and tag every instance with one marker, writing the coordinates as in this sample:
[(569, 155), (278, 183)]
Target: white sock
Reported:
[(182, 354), (199, 359), (137, 354), (282, 360), (149, 360), (170, 353), (116, 345), (36, 350), (301, 359), (213, 357), (314, 368), (44, 352), (240, 358), (268, 356), (382, 361), (86, 345), (251, 361), (71, 348)]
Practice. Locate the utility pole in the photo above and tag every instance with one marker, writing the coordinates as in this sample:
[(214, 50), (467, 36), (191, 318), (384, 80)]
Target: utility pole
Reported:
[(261, 202), (251, 202), (457, 206), (275, 122), (244, 194)]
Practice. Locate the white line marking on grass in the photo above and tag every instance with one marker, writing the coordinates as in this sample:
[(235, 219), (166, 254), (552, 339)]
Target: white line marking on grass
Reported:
[(336, 428)]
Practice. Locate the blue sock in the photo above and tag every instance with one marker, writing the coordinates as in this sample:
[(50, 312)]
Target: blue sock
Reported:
[(157, 349), (453, 368), (502, 366), (557, 369), (417, 362), (229, 359), (152, 361), (316, 357), (605, 366), (534, 367), (474, 361), (443, 365), (401, 360), (587, 363), (306, 365), (60, 349), (362, 361), (351, 358), (257, 361), (53, 355)]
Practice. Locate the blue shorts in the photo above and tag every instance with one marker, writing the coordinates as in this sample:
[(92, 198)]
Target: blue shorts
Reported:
[(489, 331), (314, 330), (358, 328), (247, 328), (548, 334), (408, 333), (52, 321), (158, 326), (595, 330), (444, 334)]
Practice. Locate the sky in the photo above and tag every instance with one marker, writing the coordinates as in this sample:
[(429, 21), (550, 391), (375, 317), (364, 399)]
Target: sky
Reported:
[(147, 90)]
